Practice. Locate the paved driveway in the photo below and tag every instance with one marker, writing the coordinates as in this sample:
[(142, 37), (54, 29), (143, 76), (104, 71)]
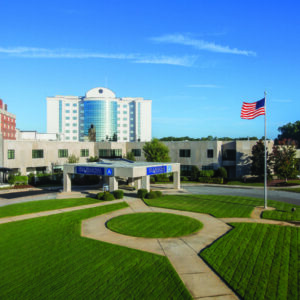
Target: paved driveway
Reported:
[(288, 197)]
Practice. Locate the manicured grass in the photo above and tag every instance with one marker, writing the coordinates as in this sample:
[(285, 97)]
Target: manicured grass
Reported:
[(46, 258), (245, 183), (43, 205), (154, 225), (225, 206), (283, 212), (258, 261), (294, 190), (218, 206)]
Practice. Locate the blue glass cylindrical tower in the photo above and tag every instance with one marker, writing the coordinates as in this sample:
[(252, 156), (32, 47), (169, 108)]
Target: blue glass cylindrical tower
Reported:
[(103, 115)]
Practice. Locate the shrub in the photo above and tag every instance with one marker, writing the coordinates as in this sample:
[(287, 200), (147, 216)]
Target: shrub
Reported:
[(152, 179), (142, 193), (100, 196), (17, 179), (216, 180), (184, 178), (118, 194), (206, 173), (162, 178), (171, 177), (194, 173), (221, 172), (151, 195), (158, 194), (106, 196)]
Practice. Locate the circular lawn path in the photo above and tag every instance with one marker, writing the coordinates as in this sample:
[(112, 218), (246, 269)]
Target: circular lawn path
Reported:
[(154, 225)]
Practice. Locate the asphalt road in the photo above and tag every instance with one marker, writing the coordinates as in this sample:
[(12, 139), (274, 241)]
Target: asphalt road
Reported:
[(288, 197)]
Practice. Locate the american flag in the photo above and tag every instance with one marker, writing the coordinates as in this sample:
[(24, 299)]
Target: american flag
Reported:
[(253, 110)]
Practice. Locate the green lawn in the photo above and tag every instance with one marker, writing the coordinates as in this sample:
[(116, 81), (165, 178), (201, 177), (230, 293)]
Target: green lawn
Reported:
[(46, 258), (218, 206), (225, 206), (294, 190), (154, 225), (245, 183), (43, 205), (258, 261), (283, 212)]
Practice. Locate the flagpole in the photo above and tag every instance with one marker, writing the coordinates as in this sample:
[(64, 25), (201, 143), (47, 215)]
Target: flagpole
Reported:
[(266, 175)]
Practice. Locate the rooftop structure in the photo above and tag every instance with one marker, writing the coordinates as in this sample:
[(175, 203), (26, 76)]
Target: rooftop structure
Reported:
[(124, 119)]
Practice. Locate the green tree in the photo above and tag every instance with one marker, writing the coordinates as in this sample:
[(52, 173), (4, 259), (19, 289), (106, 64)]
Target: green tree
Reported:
[(73, 159), (93, 159), (290, 131), (194, 173), (258, 160), (156, 151), (284, 161), (130, 156)]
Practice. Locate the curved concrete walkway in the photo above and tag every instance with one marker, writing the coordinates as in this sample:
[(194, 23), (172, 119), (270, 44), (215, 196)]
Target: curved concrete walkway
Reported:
[(182, 252)]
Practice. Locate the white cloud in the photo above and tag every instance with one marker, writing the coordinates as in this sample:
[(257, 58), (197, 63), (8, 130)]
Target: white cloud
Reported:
[(186, 61), (28, 52), (200, 44), (209, 86)]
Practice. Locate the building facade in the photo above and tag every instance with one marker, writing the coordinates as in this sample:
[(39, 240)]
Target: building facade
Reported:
[(114, 119), (8, 123), (27, 156)]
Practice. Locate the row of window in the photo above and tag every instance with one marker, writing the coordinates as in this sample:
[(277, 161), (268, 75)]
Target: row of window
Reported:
[(187, 153), (74, 118), (67, 111), (74, 104), (39, 153)]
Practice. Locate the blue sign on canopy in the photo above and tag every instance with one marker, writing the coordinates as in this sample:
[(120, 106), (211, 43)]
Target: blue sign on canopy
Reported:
[(156, 170), (93, 171)]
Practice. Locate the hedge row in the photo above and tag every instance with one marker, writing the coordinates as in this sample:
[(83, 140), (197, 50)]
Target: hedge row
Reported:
[(217, 180), (144, 194)]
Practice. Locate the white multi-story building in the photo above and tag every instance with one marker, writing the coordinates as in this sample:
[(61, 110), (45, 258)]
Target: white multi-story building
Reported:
[(114, 119)]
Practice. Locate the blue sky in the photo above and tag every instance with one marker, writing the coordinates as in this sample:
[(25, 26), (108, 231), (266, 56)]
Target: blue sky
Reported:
[(196, 60)]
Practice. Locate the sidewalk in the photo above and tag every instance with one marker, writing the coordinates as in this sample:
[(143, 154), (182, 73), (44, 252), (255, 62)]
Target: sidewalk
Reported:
[(182, 252)]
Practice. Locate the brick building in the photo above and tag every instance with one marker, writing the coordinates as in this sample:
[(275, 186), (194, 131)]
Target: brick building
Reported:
[(7, 123)]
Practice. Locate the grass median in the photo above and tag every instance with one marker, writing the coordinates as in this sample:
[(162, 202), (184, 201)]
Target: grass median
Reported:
[(154, 225), (46, 258), (43, 205), (226, 206)]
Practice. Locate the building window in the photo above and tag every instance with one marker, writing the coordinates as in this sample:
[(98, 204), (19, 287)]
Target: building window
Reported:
[(67, 111), (74, 131), (185, 170), (229, 154), (184, 153), (137, 152), (67, 104), (67, 131), (125, 105), (62, 153), (84, 152), (74, 104), (37, 153), (11, 154), (67, 138), (210, 153), (74, 118), (124, 119), (125, 138), (74, 111), (67, 124), (74, 124), (74, 138), (110, 153), (67, 118), (205, 168), (125, 112)]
